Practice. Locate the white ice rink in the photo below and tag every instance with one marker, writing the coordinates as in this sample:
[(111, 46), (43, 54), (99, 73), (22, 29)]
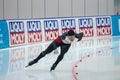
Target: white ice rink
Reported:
[(90, 59)]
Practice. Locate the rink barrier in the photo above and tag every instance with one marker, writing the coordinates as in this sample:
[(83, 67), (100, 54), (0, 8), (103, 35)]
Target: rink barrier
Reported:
[(22, 32)]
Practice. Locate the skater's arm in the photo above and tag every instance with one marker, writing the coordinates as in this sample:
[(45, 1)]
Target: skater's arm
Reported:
[(79, 36), (63, 36)]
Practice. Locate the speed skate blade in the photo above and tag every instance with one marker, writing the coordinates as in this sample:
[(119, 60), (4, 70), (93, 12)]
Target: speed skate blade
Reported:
[(27, 66)]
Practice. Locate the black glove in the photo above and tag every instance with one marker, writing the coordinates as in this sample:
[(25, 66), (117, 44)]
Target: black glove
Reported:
[(80, 35)]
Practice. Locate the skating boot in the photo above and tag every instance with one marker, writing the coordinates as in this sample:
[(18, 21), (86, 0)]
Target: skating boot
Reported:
[(32, 62), (53, 67)]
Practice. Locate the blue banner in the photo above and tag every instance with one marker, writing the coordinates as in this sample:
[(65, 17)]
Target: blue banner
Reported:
[(4, 35), (115, 25)]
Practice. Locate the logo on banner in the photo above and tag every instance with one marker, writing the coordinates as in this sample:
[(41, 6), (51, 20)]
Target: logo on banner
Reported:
[(17, 33), (51, 29), (86, 26), (34, 31), (103, 26), (68, 24)]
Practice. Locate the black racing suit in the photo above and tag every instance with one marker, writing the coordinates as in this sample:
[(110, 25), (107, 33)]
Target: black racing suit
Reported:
[(62, 42)]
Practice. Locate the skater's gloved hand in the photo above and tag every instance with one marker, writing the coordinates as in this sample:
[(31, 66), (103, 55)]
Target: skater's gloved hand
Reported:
[(80, 35), (55, 51)]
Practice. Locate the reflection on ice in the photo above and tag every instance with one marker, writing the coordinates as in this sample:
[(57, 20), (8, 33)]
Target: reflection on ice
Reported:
[(105, 58)]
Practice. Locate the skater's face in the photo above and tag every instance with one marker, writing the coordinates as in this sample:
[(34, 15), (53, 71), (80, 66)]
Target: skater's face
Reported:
[(71, 38)]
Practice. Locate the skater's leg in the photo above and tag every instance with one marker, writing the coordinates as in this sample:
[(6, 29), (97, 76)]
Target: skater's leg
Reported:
[(64, 49), (50, 48)]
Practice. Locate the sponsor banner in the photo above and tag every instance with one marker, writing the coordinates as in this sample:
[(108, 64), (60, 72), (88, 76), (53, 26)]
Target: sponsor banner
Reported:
[(4, 62), (86, 26), (4, 35), (16, 32), (68, 24), (103, 26), (115, 25), (51, 29), (19, 32), (34, 31)]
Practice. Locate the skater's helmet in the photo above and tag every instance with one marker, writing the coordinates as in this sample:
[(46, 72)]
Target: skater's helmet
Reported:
[(71, 33)]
